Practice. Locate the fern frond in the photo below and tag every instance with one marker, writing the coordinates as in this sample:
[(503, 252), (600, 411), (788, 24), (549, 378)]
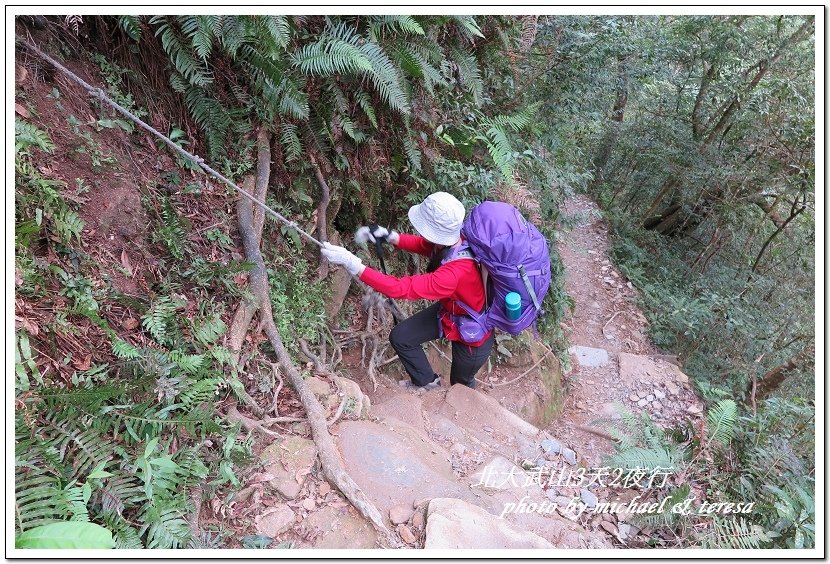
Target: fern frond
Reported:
[(122, 349), (202, 31), (86, 445), (386, 78), (721, 422), (335, 52), (158, 320), (278, 29), (469, 75), (519, 120), (27, 135), (37, 496), (735, 533), (413, 155), (164, 527), (291, 143), (199, 392), (210, 115), (131, 26), (405, 24), (498, 145), (187, 362), (179, 53), (646, 458), (365, 103), (468, 26)]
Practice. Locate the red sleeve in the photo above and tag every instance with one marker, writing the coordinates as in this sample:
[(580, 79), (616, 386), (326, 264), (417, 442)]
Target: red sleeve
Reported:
[(440, 284), (415, 244)]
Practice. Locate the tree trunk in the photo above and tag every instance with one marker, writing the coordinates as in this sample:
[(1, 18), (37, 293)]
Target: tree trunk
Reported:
[(606, 146), (774, 378)]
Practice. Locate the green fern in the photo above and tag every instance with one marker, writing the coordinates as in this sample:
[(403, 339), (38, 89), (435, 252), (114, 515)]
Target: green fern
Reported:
[(208, 113), (172, 232), (404, 24), (517, 121), (131, 26), (365, 103), (413, 155), (199, 392), (469, 75), (386, 78), (639, 457), (86, 447), (164, 527), (468, 26), (291, 143), (336, 52), (193, 70), (157, 321), (721, 422), (735, 533), (27, 135), (498, 145)]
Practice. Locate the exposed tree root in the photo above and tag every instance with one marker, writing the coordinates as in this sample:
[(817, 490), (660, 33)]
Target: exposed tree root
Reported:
[(330, 462)]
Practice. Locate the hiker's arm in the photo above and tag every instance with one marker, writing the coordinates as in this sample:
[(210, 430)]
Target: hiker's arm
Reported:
[(414, 244), (435, 286)]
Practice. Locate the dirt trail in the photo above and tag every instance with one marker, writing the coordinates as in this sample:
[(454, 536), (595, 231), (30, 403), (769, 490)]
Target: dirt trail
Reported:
[(624, 365)]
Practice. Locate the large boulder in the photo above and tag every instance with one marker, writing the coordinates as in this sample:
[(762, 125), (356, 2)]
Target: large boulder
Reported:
[(454, 523)]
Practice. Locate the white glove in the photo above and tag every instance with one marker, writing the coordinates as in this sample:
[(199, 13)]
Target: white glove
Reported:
[(365, 234), (342, 256)]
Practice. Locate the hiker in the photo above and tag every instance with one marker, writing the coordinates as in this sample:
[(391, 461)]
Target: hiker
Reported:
[(450, 275)]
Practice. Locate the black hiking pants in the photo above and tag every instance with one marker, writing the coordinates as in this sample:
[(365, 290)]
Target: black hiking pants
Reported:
[(408, 336)]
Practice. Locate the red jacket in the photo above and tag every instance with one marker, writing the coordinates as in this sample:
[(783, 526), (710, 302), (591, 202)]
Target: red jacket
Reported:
[(455, 280)]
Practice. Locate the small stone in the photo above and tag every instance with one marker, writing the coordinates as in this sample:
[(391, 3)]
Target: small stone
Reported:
[(657, 405), (673, 388), (563, 500), (570, 456), (400, 514), (308, 504), (551, 494), (659, 395), (487, 429), (588, 497), (551, 446), (642, 395), (278, 520), (633, 398), (540, 463), (650, 397), (694, 409), (418, 520), (608, 517), (642, 402), (458, 449), (627, 531), (323, 489), (609, 527), (406, 534)]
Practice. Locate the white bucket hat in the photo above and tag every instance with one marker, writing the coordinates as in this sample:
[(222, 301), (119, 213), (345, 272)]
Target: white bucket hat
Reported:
[(438, 218)]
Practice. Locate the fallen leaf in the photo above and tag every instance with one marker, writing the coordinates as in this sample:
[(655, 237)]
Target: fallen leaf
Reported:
[(125, 262), (83, 364), (130, 323), (324, 488), (21, 111), (18, 277), (301, 473), (22, 74), (261, 477)]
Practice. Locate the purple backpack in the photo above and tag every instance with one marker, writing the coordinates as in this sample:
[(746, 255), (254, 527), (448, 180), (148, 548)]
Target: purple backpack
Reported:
[(514, 256)]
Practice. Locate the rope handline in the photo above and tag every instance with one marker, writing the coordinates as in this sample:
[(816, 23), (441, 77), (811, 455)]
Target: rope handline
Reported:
[(98, 93)]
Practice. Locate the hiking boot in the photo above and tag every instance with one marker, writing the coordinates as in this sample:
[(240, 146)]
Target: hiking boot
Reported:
[(408, 385)]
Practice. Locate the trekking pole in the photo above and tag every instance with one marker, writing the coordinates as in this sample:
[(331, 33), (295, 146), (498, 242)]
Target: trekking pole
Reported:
[(379, 252)]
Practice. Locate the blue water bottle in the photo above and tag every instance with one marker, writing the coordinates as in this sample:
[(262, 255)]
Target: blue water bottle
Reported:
[(513, 305)]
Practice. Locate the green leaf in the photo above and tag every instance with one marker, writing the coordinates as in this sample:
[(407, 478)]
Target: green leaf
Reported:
[(72, 534)]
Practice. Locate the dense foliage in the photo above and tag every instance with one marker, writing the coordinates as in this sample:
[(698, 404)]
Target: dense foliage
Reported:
[(695, 133)]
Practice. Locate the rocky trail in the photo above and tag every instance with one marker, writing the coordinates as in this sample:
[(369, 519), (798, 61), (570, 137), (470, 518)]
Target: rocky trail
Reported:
[(495, 467)]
